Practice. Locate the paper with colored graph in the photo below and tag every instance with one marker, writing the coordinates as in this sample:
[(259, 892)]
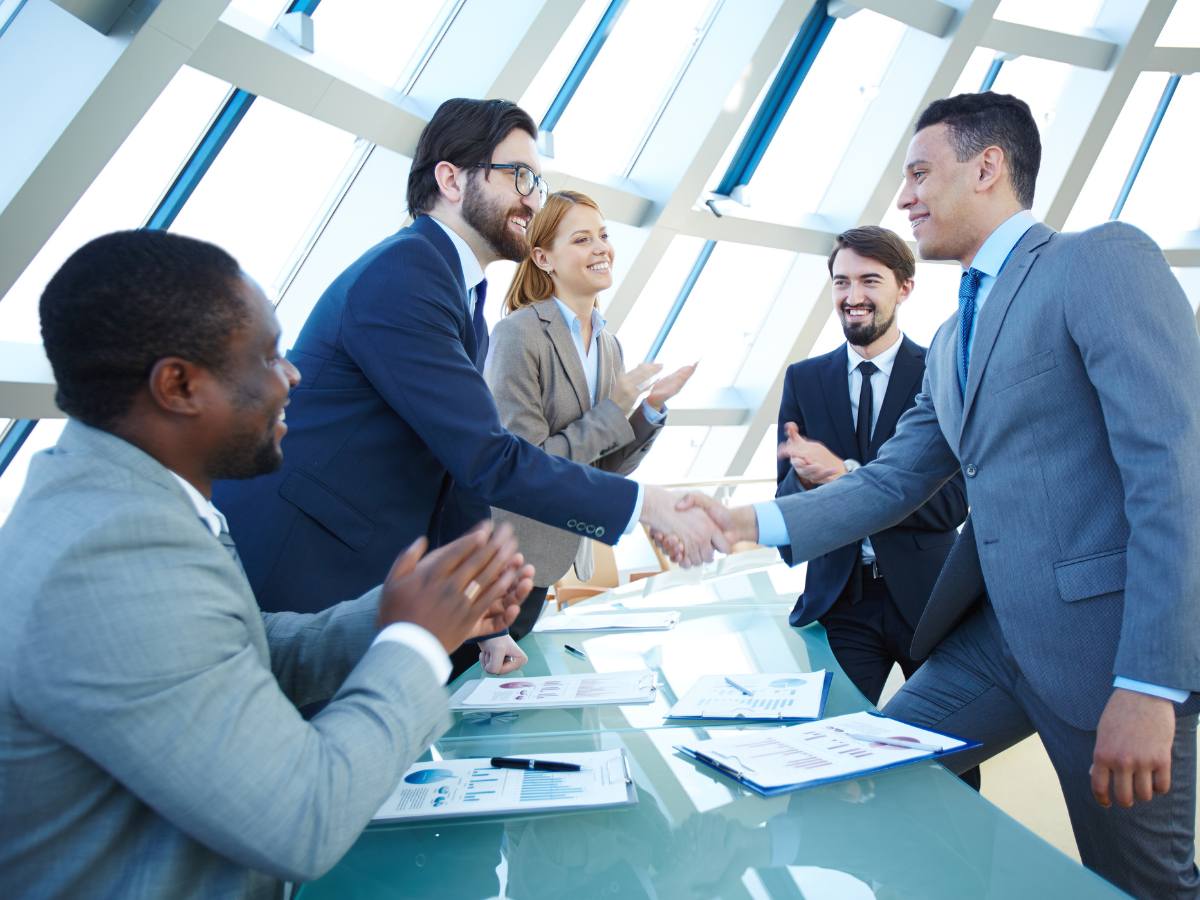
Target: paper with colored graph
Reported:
[(782, 697), (557, 691), (785, 759), (471, 787)]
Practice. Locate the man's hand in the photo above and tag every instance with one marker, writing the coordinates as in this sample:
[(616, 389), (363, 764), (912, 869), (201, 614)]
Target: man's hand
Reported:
[(1133, 748), (688, 536), (501, 655), (814, 462), (738, 523), (628, 386), (669, 385), (462, 589)]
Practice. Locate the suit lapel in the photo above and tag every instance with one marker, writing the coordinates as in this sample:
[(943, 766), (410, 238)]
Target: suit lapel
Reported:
[(990, 320), (836, 389), (432, 232), (906, 372), (564, 345)]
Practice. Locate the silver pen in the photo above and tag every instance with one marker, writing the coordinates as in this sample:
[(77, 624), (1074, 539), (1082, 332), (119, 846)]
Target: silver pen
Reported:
[(745, 690), (894, 742)]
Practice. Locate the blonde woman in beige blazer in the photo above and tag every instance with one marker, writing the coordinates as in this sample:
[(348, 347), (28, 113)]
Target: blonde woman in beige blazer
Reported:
[(570, 401)]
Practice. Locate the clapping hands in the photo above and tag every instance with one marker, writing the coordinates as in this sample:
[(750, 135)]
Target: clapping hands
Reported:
[(813, 462)]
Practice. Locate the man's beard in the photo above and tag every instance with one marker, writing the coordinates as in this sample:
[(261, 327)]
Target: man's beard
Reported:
[(863, 334), (491, 221), (248, 452)]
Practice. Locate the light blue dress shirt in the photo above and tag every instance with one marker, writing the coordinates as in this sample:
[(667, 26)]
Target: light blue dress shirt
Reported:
[(473, 274), (990, 260), (589, 357)]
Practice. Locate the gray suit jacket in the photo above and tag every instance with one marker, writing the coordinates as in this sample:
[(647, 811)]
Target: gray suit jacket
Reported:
[(534, 372), (150, 744), (1079, 436)]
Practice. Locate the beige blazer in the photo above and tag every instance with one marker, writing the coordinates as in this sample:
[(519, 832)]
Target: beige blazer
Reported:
[(535, 374)]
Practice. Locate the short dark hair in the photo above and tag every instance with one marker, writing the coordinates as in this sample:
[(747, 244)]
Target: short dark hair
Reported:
[(880, 244), (976, 121), (124, 301), (463, 132)]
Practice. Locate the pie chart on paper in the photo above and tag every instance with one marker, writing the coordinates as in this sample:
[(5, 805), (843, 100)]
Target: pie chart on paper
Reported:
[(428, 776)]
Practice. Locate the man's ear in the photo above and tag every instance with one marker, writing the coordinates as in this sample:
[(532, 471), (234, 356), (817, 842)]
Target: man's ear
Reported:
[(906, 289), (451, 181), (992, 164), (179, 386)]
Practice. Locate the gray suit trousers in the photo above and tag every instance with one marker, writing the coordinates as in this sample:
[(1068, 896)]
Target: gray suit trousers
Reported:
[(971, 687)]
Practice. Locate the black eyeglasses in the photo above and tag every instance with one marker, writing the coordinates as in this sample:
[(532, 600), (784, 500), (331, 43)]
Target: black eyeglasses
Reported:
[(524, 178)]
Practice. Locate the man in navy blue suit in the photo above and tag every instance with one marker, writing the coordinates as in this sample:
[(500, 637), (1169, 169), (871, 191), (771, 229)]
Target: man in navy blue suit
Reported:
[(836, 411), (393, 433)]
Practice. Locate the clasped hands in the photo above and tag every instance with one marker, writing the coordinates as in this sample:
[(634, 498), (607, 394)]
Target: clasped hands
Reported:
[(690, 527)]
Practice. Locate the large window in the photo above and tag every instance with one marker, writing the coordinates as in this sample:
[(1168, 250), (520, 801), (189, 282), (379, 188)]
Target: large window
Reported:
[(618, 99), (822, 121), (124, 193), (265, 188)]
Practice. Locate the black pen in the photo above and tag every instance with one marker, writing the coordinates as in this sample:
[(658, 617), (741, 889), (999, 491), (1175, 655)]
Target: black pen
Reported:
[(574, 651), (533, 765)]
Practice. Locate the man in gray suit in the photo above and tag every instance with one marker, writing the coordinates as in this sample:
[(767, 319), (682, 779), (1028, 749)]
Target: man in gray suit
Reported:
[(1064, 390), (150, 743)]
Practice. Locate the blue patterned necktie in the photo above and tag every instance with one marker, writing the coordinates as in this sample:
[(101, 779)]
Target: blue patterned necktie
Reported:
[(968, 289)]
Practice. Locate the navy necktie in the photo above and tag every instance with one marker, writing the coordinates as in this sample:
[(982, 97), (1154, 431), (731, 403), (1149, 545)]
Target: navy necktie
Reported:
[(968, 289), (477, 319)]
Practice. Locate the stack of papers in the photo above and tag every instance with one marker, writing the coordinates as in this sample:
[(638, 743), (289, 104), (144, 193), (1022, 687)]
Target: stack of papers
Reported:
[(557, 691), (784, 697), (786, 759), (472, 787), (646, 621)]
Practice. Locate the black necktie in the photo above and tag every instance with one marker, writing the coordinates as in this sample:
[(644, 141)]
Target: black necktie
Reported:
[(866, 403)]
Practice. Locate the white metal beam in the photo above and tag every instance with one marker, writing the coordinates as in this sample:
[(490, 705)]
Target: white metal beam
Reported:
[(135, 61), (1027, 40)]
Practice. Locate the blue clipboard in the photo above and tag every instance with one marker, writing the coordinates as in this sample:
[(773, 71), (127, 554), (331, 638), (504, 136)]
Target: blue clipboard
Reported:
[(773, 791)]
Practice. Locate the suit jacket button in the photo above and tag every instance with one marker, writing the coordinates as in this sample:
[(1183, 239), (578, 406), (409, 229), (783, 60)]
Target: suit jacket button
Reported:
[(599, 531), (970, 470), (571, 523), (591, 529)]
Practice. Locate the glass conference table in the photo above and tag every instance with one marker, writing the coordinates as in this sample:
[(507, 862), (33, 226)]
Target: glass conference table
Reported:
[(911, 832)]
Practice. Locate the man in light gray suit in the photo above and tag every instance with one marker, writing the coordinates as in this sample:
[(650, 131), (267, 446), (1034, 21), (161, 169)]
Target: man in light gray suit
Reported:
[(150, 743), (1064, 390)]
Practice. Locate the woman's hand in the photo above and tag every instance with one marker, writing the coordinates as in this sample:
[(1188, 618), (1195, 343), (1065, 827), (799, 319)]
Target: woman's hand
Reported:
[(666, 388), (630, 385)]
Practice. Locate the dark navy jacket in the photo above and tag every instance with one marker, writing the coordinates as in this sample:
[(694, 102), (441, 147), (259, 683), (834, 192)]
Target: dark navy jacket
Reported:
[(816, 396), (393, 434)]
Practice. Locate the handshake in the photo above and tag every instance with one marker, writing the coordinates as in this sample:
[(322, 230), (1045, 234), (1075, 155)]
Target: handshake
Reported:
[(688, 528)]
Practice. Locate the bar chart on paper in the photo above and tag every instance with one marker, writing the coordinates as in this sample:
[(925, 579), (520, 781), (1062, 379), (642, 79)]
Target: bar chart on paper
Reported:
[(473, 787)]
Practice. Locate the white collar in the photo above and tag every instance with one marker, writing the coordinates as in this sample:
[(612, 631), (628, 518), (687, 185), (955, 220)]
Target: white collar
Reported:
[(472, 271), (883, 361), (209, 514)]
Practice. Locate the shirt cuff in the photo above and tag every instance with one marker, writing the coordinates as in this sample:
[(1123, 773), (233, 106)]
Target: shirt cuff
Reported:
[(427, 646), (653, 416), (637, 513), (772, 530), (1175, 695)]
